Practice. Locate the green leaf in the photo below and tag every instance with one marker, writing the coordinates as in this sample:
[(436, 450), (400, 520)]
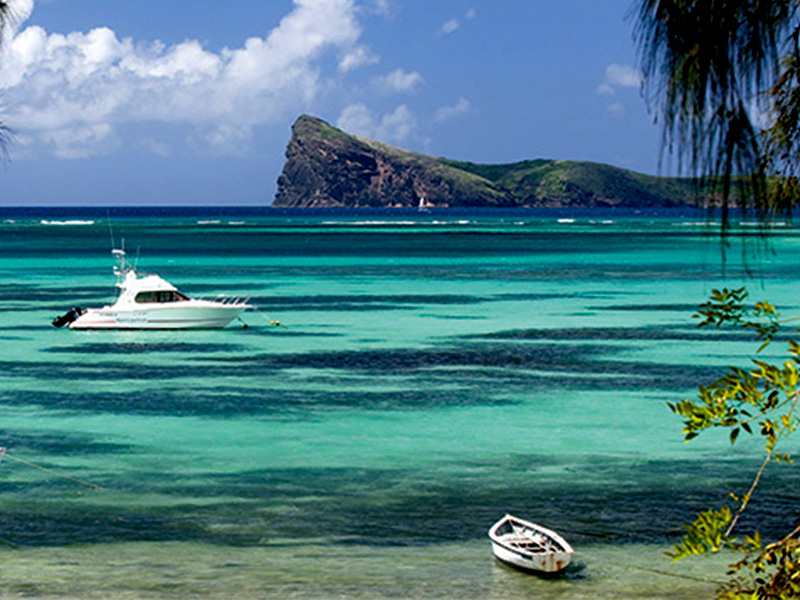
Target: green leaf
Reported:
[(734, 435)]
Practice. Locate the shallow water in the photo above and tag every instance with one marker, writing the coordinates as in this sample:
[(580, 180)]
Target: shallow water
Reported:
[(430, 373), (291, 570)]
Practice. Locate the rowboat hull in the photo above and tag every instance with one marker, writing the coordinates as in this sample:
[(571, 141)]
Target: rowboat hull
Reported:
[(529, 547), (551, 564)]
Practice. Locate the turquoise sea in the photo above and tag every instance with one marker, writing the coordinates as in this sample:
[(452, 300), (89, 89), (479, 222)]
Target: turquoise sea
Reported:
[(431, 371)]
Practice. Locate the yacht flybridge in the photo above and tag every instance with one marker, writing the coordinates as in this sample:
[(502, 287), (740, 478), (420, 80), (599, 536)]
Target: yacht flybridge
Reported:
[(150, 302)]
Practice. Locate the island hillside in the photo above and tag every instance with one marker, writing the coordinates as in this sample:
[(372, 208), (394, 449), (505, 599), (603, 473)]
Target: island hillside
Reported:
[(327, 167)]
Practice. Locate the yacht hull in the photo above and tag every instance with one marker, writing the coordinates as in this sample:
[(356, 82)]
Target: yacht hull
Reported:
[(168, 317)]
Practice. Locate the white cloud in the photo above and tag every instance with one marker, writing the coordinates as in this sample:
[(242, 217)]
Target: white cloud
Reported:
[(449, 26), (380, 7), (357, 119), (399, 124), (394, 127), (617, 76), (71, 91), (400, 81), (156, 147), (459, 109), (81, 141), (623, 75), (357, 57), (222, 140), (605, 89), (616, 109), (454, 24)]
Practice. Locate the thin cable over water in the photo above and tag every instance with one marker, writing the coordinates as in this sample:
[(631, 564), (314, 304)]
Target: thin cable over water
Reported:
[(4, 454)]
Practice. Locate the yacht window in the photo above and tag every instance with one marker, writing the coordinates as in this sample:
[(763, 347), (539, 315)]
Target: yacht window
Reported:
[(145, 297), (160, 297)]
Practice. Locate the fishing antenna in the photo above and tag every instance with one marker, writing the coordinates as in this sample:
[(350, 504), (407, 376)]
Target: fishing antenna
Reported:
[(113, 248), (110, 229)]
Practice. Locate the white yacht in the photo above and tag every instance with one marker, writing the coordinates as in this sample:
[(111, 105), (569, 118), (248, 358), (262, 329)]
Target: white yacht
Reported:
[(150, 302)]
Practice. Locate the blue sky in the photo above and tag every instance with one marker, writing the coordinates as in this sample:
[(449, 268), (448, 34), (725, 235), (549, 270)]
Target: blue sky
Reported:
[(181, 102)]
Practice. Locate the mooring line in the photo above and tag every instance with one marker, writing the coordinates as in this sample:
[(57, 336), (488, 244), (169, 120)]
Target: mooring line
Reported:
[(4, 454), (654, 571)]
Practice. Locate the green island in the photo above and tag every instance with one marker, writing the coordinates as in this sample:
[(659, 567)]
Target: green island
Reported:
[(329, 168)]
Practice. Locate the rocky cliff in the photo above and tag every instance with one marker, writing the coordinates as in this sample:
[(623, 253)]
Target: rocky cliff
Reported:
[(326, 167)]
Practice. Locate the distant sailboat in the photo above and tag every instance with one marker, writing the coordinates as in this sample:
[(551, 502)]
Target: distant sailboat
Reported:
[(423, 203)]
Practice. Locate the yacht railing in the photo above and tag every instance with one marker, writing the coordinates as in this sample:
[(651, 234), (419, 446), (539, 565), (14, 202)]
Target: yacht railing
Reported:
[(232, 300)]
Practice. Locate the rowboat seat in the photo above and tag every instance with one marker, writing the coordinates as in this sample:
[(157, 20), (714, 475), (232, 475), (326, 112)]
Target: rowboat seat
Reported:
[(525, 543)]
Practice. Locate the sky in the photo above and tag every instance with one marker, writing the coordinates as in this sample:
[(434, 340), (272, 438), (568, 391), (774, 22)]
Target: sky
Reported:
[(191, 102)]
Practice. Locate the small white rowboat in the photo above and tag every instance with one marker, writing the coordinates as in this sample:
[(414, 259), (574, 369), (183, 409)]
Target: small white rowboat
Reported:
[(529, 546)]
